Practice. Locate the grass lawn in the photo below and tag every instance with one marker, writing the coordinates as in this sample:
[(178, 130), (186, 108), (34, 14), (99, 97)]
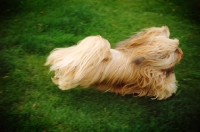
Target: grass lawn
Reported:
[(30, 102)]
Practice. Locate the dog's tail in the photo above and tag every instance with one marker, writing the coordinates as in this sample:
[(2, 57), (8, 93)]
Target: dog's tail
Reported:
[(73, 63)]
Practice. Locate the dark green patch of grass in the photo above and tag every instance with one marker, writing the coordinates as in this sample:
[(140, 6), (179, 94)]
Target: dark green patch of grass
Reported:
[(29, 101)]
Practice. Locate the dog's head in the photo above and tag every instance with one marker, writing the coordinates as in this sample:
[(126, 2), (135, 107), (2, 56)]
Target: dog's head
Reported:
[(153, 55), (152, 47)]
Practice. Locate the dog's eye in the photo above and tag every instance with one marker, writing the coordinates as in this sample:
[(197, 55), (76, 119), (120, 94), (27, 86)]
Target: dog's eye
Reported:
[(139, 60)]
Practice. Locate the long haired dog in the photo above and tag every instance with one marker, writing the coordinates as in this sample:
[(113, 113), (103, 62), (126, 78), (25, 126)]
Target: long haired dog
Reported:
[(142, 64)]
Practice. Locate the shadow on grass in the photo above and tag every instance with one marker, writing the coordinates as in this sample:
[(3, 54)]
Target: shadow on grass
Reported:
[(81, 109), (142, 114)]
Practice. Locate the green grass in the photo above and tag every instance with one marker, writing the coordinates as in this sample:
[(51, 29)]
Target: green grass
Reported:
[(30, 102)]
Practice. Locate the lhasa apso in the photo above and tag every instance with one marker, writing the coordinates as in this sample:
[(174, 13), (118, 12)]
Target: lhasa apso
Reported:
[(142, 64)]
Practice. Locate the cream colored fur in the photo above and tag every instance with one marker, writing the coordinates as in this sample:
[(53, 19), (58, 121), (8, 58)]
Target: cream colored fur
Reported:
[(142, 64)]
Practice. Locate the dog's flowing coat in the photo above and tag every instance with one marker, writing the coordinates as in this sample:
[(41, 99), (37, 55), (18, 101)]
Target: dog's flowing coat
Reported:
[(142, 64)]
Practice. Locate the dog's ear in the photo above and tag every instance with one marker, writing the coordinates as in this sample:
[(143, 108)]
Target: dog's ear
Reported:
[(144, 37), (164, 31)]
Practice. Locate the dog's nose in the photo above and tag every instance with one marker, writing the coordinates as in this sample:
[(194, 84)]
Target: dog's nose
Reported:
[(178, 51)]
